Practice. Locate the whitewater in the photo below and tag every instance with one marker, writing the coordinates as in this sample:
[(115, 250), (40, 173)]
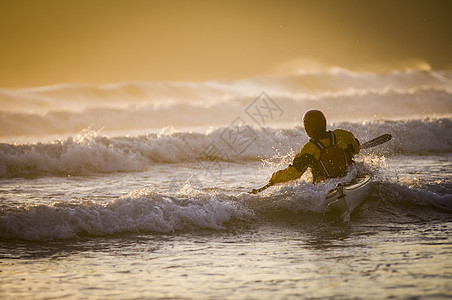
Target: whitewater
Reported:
[(141, 189)]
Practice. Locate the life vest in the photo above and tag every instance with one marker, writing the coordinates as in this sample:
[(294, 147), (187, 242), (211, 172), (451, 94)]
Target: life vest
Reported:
[(333, 159)]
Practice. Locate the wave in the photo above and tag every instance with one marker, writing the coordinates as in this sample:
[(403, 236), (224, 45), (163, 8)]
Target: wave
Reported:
[(142, 212), (90, 152), (81, 96), (69, 108), (398, 203), (146, 211)]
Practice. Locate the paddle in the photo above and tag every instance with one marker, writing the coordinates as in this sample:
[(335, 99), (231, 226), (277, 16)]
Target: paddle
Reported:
[(369, 144), (255, 191), (376, 141)]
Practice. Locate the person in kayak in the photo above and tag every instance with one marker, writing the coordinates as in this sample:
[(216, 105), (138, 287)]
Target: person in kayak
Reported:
[(327, 154)]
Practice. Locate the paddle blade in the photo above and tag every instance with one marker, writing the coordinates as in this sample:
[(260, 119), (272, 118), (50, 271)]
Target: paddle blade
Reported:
[(376, 141)]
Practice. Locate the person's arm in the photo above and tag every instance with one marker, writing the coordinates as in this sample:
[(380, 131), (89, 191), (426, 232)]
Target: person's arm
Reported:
[(294, 171), (347, 141), (288, 174), (352, 149), (354, 145)]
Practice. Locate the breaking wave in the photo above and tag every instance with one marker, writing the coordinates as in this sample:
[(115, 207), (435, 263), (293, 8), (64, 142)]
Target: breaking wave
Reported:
[(145, 211), (90, 152)]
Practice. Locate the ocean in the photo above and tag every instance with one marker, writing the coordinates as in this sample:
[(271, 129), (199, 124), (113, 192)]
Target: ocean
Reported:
[(140, 190)]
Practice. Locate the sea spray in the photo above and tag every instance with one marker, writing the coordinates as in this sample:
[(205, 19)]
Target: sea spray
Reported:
[(90, 152)]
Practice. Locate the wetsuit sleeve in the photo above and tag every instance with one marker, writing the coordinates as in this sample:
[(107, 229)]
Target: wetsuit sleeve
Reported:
[(356, 146), (294, 171), (288, 174), (347, 141)]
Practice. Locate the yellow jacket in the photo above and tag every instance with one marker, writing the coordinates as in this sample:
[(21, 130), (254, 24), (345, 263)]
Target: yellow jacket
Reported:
[(309, 156)]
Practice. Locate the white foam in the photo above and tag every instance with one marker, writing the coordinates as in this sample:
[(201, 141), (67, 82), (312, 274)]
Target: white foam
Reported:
[(145, 211), (141, 211), (91, 152)]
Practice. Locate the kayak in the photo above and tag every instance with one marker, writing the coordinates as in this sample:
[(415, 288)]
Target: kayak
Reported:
[(346, 197)]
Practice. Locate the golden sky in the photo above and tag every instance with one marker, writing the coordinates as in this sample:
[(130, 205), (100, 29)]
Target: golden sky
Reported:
[(103, 41)]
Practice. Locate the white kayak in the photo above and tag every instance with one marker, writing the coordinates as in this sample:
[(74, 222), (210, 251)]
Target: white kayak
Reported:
[(346, 197)]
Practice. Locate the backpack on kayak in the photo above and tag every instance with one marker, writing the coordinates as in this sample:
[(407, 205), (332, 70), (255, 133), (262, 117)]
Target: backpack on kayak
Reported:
[(333, 159)]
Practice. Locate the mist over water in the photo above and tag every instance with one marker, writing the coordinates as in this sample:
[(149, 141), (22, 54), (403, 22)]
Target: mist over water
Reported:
[(107, 183), (340, 94)]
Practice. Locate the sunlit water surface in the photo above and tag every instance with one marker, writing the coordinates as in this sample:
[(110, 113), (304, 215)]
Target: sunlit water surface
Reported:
[(384, 252)]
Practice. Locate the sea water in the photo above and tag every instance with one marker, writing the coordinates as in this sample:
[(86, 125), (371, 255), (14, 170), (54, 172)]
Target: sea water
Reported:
[(141, 190)]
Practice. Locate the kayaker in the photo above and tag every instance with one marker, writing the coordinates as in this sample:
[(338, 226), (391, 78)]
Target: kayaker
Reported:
[(327, 154)]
